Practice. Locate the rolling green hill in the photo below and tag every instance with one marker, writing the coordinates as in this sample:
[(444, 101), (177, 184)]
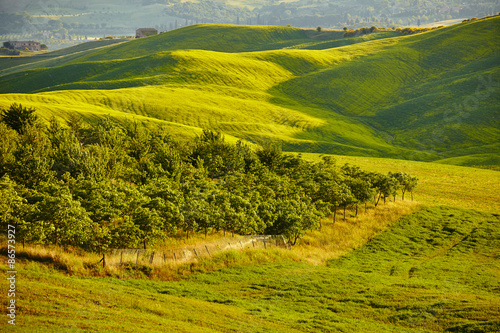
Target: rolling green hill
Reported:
[(431, 96), (10, 65)]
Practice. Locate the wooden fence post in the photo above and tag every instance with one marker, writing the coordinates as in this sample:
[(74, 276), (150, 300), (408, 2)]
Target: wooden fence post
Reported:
[(175, 258), (103, 260), (121, 257), (152, 257), (137, 259), (208, 251), (195, 252)]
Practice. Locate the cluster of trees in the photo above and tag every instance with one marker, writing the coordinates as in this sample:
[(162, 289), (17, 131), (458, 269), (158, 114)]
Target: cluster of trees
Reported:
[(366, 30), (362, 31), (333, 14), (209, 12), (411, 31), (122, 185), (8, 51)]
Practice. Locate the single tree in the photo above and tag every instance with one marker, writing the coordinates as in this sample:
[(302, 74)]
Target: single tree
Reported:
[(17, 117)]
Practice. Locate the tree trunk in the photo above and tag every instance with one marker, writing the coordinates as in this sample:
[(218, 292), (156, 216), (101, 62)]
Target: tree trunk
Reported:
[(144, 244), (365, 207), (376, 203), (403, 196), (356, 210), (205, 232), (344, 211), (334, 214)]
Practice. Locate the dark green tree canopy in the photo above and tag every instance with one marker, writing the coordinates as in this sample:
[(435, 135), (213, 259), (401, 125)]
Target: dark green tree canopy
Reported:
[(17, 117), (122, 185)]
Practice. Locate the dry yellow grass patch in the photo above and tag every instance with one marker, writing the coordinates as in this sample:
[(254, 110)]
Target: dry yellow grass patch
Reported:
[(336, 239), (316, 247)]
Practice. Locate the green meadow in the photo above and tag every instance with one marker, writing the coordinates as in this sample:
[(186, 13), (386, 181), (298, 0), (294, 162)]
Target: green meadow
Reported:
[(430, 96), (426, 104), (427, 273)]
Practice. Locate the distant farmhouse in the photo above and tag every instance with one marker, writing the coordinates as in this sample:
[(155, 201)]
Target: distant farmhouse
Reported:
[(22, 45), (145, 32)]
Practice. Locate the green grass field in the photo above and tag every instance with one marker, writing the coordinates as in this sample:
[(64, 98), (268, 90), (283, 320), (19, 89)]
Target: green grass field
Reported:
[(10, 65), (439, 184), (430, 97), (425, 274), (378, 101)]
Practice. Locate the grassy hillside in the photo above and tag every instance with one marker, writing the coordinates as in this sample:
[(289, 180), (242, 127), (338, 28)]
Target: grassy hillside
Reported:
[(10, 65), (433, 92), (435, 270), (212, 37), (439, 184), (427, 97)]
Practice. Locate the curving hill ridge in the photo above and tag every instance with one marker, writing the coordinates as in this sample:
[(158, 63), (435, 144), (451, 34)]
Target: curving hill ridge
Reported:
[(429, 96)]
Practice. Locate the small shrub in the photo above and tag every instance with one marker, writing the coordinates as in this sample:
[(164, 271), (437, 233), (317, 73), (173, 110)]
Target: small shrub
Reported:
[(7, 51)]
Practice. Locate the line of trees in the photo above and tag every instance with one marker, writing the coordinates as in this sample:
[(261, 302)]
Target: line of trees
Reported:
[(122, 185), (366, 30)]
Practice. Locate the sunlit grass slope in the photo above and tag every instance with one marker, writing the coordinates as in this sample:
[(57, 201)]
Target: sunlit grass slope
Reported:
[(436, 92), (435, 270), (212, 37), (431, 96), (59, 57), (196, 88), (439, 184), (244, 117)]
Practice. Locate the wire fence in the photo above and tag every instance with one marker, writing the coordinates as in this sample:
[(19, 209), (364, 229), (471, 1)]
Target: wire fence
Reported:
[(152, 257)]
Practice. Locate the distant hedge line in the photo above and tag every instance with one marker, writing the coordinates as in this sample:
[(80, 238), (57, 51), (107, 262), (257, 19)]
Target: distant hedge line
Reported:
[(403, 31)]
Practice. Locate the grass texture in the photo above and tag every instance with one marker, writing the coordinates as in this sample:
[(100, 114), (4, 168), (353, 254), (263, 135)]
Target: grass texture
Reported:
[(430, 97), (433, 270)]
